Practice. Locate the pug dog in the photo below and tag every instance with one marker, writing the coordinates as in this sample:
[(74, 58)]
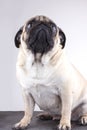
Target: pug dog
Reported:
[(47, 77)]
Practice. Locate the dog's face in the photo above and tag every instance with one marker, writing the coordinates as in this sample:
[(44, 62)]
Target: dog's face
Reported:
[(39, 35)]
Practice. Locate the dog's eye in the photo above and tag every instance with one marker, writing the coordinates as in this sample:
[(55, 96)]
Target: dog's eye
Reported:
[(28, 26), (54, 29)]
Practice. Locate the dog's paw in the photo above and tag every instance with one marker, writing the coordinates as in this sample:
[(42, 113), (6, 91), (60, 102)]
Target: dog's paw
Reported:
[(23, 124), (64, 126), (20, 126), (83, 120)]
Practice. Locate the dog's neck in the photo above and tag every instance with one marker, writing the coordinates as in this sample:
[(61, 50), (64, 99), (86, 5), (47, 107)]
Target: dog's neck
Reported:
[(52, 57)]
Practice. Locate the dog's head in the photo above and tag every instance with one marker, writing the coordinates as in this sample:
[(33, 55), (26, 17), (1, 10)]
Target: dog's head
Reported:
[(39, 35)]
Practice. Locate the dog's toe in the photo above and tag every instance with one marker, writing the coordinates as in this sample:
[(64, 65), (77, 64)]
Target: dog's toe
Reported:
[(63, 127), (20, 126), (83, 120)]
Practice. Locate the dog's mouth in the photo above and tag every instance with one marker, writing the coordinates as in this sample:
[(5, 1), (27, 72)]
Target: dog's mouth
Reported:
[(40, 39)]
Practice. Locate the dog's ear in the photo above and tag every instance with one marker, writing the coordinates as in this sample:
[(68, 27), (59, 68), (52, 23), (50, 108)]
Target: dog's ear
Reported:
[(62, 38), (17, 38)]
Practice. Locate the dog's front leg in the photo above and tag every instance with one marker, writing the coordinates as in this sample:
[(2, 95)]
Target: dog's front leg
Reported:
[(29, 108), (66, 99)]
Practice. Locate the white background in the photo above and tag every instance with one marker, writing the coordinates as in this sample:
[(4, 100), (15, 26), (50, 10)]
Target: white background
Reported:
[(70, 15)]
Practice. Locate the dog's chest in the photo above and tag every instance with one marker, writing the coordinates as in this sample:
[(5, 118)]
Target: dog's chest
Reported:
[(42, 84), (45, 96)]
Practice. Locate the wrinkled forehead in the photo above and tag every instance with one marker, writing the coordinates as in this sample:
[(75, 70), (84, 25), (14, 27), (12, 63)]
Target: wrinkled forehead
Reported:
[(41, 18), (37, 19)]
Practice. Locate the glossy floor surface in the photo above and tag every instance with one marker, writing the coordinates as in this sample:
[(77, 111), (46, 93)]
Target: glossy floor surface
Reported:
[(8, 119)]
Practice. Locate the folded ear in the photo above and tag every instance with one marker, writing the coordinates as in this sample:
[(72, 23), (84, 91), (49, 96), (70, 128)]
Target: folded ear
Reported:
[(62, 38), (17, 38)]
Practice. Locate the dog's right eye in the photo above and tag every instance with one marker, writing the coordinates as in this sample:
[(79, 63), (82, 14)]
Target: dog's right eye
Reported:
[(28, 26)]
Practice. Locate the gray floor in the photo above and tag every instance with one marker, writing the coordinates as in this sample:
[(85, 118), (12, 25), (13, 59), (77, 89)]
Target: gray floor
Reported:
[(8, 119)]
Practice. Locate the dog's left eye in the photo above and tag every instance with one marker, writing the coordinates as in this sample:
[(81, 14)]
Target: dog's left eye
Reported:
[(54, 29)]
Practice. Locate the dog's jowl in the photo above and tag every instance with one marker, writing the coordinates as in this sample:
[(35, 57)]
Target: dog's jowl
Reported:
[(47, 77)]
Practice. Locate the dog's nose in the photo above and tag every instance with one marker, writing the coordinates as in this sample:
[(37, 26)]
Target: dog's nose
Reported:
[(41, 34)]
